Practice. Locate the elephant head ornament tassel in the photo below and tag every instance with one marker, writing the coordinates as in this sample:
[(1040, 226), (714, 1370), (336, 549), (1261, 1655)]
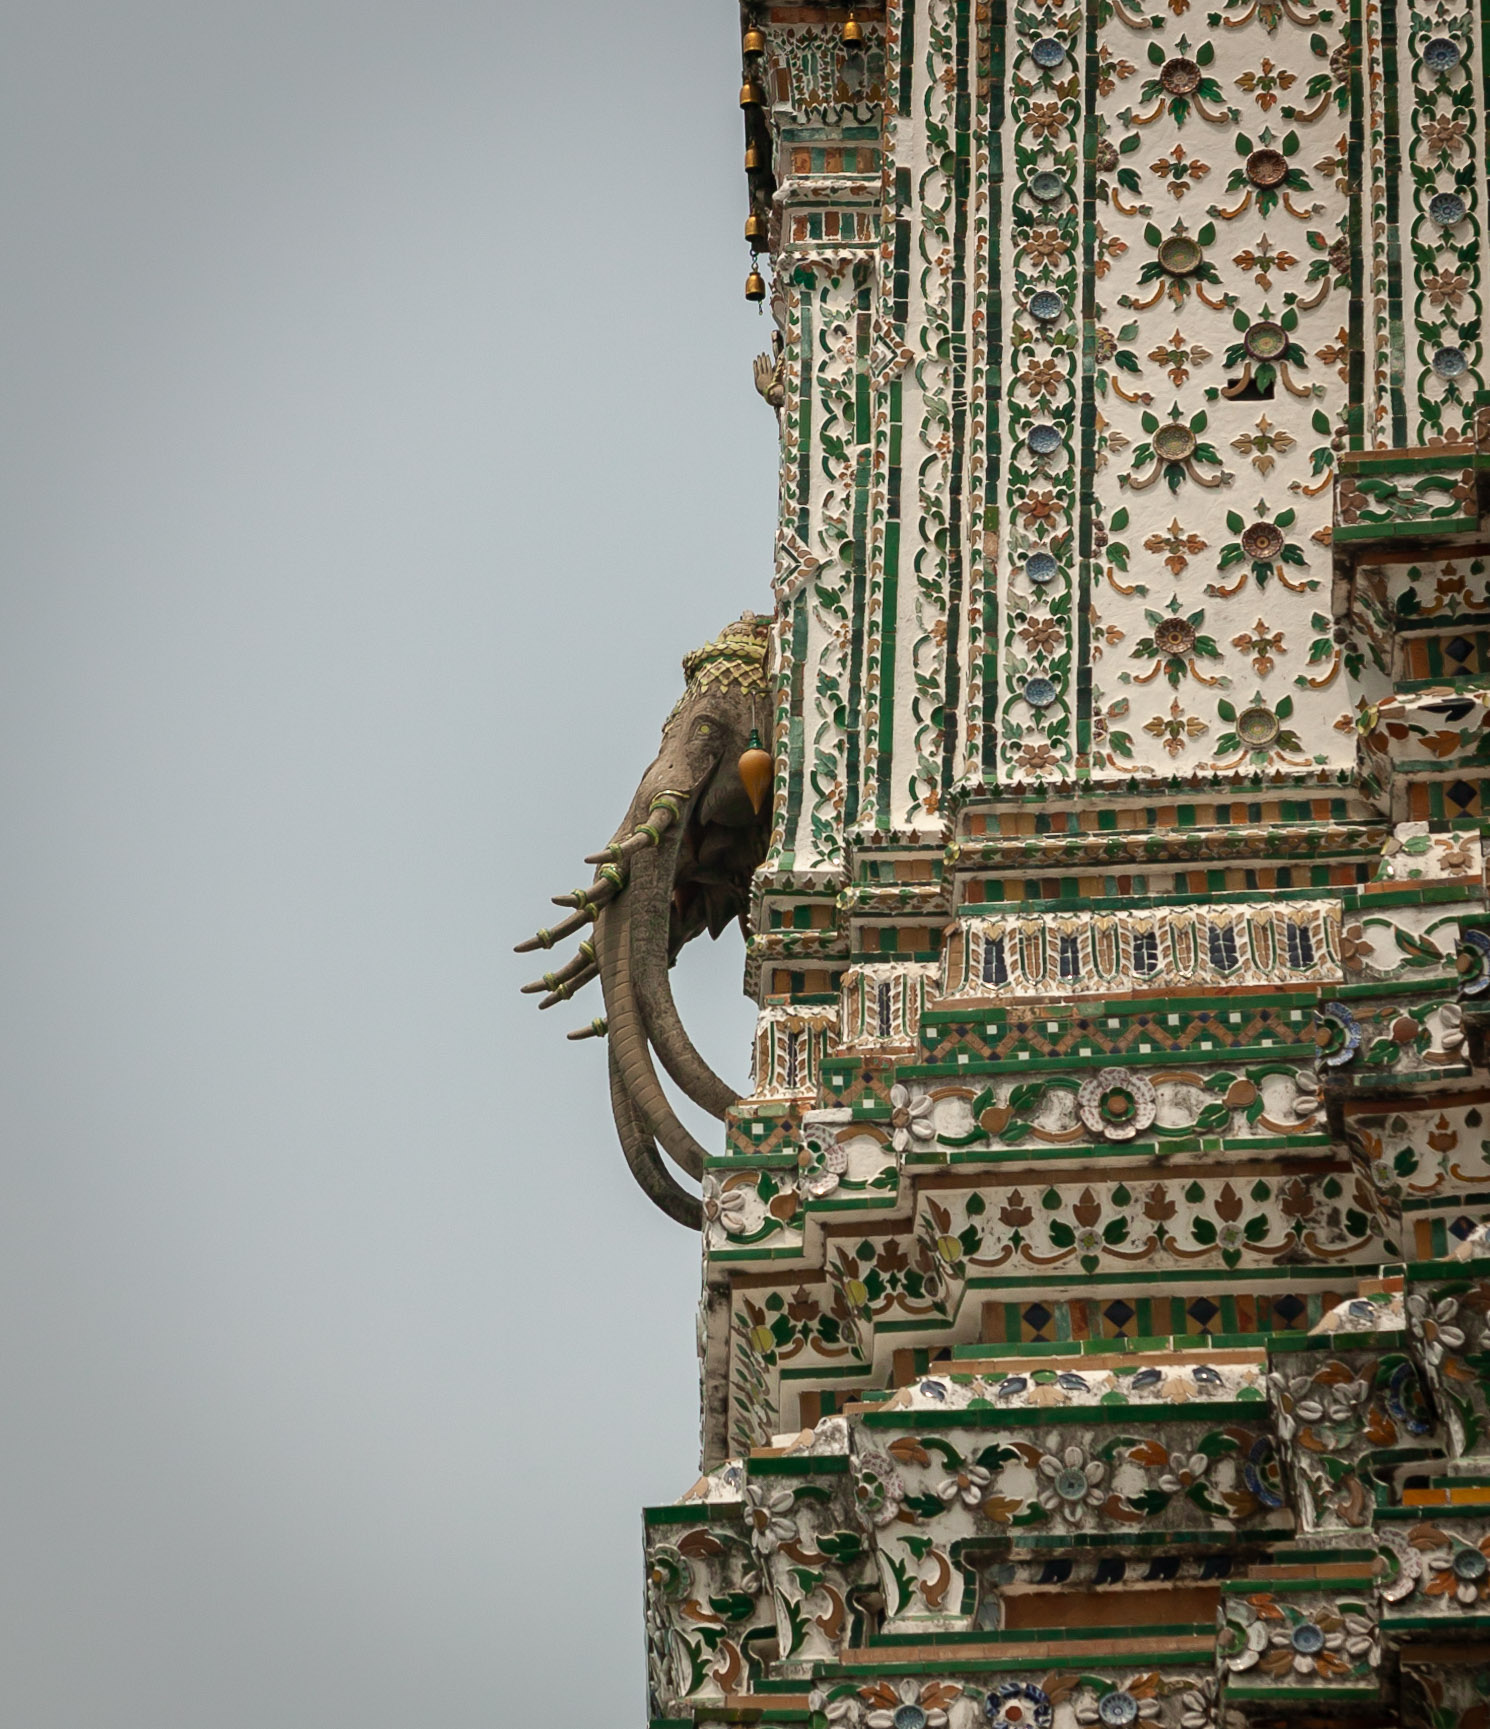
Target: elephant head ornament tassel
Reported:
[(755, 768)]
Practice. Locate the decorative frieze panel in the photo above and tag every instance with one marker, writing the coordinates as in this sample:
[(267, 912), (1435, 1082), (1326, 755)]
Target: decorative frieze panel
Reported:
[(1435, 1570), (708, 1602), (789, 1045), (882, 1005), (1104, 1473), (1446, 1318), (1177, 948), (1333, 1411), (1280, 1645), (1154, 1687), (1442, 117)]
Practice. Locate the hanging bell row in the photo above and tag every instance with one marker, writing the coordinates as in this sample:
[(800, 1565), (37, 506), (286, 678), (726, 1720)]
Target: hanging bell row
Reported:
[(755, 40), (750, 94), (756, 229), (755, 284)]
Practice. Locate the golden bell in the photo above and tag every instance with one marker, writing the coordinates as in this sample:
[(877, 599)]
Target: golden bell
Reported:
[(753, 157), (755, 40), (755, 286), (853, 32), (755, 228), (755, 770), (750, 95)]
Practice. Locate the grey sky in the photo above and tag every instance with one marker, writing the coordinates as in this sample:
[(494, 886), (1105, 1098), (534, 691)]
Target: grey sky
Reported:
[(378, 433)]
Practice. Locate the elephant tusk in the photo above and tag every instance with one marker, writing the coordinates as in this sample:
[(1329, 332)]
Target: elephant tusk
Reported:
[(551, 981), (596, 1030), (664, 810), (546, 939), (562, 991), (656, 1182), (609, 881)]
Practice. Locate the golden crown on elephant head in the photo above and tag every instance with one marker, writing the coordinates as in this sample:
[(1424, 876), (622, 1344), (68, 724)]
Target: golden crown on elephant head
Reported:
[(738, 655)]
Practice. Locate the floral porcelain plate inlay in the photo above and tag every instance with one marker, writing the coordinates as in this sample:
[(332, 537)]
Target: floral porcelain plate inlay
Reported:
[(1179, 254), (1267, 167), (1258, 727), (1174, 443)]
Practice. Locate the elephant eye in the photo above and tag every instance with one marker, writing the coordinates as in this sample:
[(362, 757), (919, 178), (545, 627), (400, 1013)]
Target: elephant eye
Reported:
[(704, 729)]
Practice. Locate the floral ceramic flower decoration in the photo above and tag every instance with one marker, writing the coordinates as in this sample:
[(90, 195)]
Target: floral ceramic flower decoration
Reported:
[(1178, 267), (1445, 288), (1282, 1640), (1185, 1471), (1257, 731), (1337, 1035), (1260, 644), (1262, 1472), (1037, 759), (1129, 1706), (1175, 450), (1043, 378), (910, 1119), (1266, 174), (1176, 729), (1179, 357), (1116, 1104), (1459, 1571), (844, 1712), (668, 1571), (1197, 1707), (878, 1489), (1178, 544), (1018, 1705), (1356, 948), (1264, 83), (1072, 1483), (1444, 134), (1174, 645), (1267, 349), (726, 1208), (1306, 1094), (1179, 171), (1399, 1568), (1045, 246), (826, 1171), (1333, 1396), (1264, 261), (1264, 446), (1262, 546), (1178, 83), (968, 1484), (1432, 1324), (1326, 1644), (1450, 1028), (908, 1704), (765, 1517)]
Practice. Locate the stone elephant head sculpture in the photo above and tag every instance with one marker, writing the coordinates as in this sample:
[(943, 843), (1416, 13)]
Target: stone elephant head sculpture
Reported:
[(680, 863)]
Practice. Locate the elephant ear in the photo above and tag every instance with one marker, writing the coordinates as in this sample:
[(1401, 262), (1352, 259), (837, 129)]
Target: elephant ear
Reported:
[(669, 874)]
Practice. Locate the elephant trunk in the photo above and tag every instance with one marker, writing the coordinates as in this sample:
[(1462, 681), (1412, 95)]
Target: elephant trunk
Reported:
[(648, 904), (643, 1160), (628, 1042)]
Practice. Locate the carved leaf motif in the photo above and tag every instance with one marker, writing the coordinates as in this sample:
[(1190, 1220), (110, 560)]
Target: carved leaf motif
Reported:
[(1088, 1209)]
